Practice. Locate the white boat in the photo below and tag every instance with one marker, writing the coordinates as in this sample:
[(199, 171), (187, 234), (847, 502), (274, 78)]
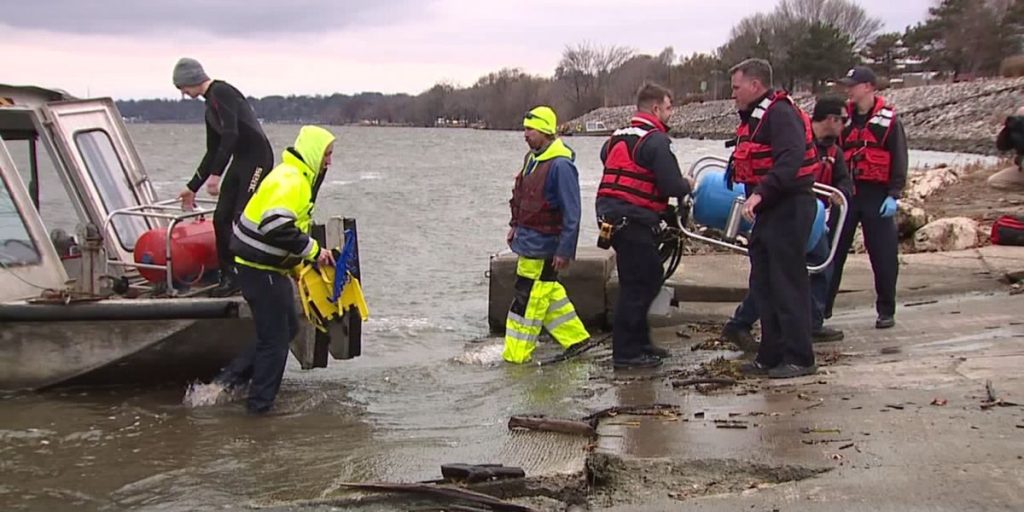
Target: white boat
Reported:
[(77, 309)]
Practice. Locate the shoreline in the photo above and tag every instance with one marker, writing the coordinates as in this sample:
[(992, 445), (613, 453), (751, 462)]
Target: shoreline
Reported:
[(959, 117)]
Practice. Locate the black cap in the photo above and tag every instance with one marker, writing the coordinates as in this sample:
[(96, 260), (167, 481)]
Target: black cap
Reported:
[(859, 75), (828, 106)]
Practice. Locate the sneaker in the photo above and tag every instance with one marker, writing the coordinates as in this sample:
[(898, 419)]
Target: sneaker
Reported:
[(826, 334), (740, 337), (657, 351), (885, 322), (641, 361), (754, 369), (789, 371)]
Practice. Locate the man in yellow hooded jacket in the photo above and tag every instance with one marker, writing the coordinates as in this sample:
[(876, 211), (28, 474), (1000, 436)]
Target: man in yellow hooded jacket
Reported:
[(545, 228), (269, 239)]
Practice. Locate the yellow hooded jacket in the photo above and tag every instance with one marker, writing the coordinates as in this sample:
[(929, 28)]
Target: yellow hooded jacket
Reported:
[(273, 231)]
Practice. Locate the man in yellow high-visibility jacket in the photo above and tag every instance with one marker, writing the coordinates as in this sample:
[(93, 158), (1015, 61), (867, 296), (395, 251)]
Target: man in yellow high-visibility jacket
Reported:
[(269, 239), (544, 230)]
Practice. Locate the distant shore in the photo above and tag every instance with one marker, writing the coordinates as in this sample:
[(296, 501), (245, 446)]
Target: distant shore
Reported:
[(962, 117)]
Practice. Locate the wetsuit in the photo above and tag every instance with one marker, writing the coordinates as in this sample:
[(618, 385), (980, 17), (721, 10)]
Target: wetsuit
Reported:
[(235, 147)]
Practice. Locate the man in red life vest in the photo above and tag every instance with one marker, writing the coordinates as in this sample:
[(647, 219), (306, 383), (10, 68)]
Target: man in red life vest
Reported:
[(776, 159), (640, 175), (827, 124), (876, 153)]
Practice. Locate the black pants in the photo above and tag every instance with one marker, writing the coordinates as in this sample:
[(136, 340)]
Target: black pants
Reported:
[(272, 300), (640, 279), (881, 241), (235, 192), (779, 282)]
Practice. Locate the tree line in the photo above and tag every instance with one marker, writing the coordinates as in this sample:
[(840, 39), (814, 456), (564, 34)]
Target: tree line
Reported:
[(809, 42)]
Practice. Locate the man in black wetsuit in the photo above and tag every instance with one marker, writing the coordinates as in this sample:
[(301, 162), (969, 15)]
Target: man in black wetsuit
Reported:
[(233, 134)]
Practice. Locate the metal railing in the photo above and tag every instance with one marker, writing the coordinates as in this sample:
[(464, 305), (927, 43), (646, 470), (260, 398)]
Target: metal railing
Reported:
[(158, 210), (827, 192)]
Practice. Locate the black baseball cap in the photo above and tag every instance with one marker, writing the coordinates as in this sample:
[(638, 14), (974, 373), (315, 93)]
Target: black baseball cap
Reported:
[(859, 75), (828, 106)]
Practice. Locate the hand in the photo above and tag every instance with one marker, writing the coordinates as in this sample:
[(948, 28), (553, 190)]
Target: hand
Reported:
[(888, 208), (213, 185), (749, 205), (511, 234), (188, 200), (560, 263), (326, 258), (837, 197)]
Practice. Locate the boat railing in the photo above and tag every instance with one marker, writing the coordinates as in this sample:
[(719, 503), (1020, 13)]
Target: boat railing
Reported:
[(168, 210)]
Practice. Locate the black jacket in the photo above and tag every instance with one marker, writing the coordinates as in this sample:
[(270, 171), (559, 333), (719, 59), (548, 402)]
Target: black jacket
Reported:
[(783, 129), (233, 133)]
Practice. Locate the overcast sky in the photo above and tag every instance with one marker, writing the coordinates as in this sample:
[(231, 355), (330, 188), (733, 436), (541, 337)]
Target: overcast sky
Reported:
[(127, 48)]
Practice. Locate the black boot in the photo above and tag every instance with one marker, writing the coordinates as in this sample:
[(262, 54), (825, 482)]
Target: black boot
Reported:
[(740, 337), (826, 334), (228, 285)]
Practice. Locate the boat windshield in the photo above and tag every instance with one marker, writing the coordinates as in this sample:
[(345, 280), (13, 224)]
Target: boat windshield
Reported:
[(16, 246), (111, 180)]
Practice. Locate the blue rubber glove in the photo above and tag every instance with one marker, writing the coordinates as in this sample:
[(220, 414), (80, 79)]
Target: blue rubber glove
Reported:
[(888, 208)]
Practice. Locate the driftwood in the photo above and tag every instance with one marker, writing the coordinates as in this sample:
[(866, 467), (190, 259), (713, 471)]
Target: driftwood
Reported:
[(636, 410), (474, 473), (440, 491), (721, 381), (551, 425)]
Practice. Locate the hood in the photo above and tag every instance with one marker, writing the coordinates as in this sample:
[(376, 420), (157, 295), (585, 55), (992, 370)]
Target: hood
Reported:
[(556, 149), (310, 146)]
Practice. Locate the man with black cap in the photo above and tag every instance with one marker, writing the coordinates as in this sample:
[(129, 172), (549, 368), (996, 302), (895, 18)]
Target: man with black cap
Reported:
[(875, 147), (233, 134), (827, 125)]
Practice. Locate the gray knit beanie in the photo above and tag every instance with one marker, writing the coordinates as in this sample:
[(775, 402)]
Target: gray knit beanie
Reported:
[(188, 72)]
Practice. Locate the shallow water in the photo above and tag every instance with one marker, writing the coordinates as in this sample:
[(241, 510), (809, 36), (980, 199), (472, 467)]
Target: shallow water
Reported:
[(431, 206)]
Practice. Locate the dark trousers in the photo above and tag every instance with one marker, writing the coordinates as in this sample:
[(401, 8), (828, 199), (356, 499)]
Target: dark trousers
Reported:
[(779, 282), (746, 313), (272, 300), (640, 279), (235, 192), (881, 241)]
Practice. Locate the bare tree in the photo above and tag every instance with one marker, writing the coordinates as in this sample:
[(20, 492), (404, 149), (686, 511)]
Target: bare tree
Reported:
[(845, 15)]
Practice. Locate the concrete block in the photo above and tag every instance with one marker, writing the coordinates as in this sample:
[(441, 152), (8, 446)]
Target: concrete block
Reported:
[(584, 281)]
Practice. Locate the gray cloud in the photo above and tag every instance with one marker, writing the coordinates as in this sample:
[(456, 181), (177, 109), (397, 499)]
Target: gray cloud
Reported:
[(233, 18)]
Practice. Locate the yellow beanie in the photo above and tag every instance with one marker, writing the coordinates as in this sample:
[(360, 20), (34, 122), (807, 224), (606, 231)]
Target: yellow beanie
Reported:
[(542, 119)]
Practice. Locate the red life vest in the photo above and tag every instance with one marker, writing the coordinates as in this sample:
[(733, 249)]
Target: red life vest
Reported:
[(752, 159), (530, 209), (623, 178), (864, 147), (827, 162)]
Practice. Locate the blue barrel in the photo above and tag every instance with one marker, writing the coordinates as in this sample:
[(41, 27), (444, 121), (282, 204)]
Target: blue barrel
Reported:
[(818, 228), (713, 200)]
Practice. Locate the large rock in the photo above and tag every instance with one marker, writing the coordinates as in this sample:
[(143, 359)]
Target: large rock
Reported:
[(922, 183), (951, 234), (1008, 179), (909, 218)]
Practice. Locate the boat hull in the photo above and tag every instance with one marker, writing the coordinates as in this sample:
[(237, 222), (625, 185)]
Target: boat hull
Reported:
[(40, 354)]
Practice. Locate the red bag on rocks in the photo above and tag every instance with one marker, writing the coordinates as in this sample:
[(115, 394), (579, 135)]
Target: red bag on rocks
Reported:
[(1008, 230)]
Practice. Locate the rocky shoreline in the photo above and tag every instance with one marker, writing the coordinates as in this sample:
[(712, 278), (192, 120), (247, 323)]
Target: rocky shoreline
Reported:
[(961, 117)]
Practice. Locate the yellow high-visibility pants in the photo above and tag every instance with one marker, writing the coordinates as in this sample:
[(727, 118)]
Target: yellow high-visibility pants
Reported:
[(540, 303)]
